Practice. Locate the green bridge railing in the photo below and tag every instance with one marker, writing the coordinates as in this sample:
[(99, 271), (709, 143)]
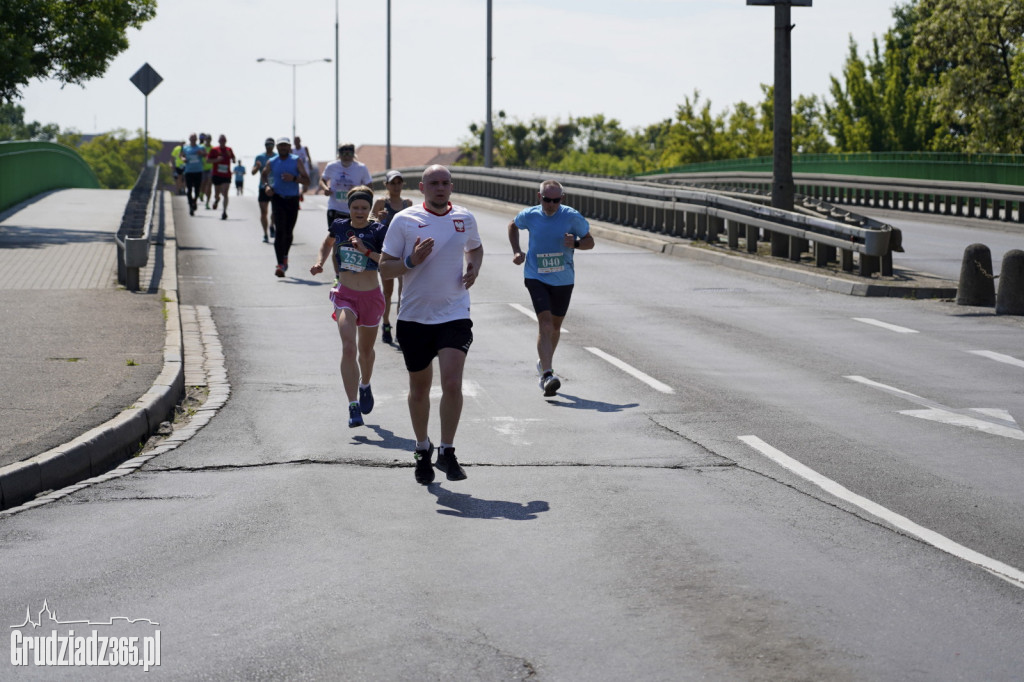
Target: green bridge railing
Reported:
[(1000, 169), (30, 168)]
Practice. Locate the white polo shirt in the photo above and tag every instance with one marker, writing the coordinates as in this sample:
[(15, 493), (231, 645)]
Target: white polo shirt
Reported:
[(433, 291)]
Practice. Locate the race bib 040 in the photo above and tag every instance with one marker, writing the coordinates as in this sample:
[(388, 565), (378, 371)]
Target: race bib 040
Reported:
[(550, 262)]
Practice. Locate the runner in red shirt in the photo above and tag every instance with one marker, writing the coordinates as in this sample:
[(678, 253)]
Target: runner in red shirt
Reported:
[(221, 157)]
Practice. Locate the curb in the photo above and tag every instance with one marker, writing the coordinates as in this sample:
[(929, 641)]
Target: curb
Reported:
[(104, 447)]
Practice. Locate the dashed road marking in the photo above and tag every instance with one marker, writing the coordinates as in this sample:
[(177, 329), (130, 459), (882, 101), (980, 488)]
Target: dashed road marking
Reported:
[(628, 369), (885, 325), (997, 422), (998, 357), (1008, 573)]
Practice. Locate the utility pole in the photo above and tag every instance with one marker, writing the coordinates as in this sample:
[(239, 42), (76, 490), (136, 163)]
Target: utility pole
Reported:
[(488, 126), (782, 134)]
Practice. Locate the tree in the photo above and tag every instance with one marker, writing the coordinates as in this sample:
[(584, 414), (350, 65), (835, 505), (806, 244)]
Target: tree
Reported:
[(116, 159), (973, 52), (13, 126), (69, 41)]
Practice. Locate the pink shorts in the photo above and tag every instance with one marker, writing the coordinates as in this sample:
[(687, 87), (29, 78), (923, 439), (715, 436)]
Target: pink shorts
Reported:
[(368, 306)]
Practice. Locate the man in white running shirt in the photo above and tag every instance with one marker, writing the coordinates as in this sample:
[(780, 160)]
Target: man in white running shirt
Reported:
[(427, 246)]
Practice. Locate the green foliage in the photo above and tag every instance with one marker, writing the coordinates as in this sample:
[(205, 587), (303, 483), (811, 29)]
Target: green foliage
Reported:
[(71, 41), (974, 50), (13, 126), (116, 159)]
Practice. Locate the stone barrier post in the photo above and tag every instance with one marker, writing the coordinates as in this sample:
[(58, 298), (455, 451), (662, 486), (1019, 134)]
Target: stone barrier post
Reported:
[(977, 285)]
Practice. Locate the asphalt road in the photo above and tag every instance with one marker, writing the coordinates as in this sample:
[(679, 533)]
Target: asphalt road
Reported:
[(935, 244), (644, 524)]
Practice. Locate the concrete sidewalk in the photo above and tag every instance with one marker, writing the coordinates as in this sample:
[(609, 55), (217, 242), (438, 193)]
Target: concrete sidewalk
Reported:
[(87, 367)]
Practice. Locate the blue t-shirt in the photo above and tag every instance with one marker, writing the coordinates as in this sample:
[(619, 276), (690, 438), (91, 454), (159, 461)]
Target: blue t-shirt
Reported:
[(280, 165), (239, 173), (547, 258), (193, 157), (346, 257), (262, 159)]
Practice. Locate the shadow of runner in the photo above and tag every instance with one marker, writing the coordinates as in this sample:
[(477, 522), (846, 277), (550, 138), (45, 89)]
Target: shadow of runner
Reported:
[(578, 403), (469, 507), (388, 440)]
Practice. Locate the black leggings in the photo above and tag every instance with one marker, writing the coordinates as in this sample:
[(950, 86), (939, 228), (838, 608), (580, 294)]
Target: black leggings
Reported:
[(193, 181), (286, 212)]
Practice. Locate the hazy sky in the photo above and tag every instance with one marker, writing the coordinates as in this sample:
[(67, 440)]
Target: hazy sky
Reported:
[(633, 60)]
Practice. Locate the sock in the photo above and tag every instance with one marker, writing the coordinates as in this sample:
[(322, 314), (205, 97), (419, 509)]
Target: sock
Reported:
[(548, 372), (424, 445), (362, 385), (354, 403), (442, 446)]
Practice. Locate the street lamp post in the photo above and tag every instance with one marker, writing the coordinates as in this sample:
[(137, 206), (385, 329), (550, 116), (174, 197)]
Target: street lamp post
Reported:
[(294, 64)]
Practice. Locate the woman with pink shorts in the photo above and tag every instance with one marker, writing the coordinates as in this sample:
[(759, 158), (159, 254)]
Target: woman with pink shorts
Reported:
[(355, 244)]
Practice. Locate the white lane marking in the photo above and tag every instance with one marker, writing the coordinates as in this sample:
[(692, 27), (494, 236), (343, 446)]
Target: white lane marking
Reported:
[(890, 389), (885, 325), (1008, 573), (532, 315), (1010, 430), (998, 357), (650, 381), (991, 420)]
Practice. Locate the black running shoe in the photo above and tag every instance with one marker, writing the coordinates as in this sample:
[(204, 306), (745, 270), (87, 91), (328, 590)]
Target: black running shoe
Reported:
[(447, 463), (550, 383), (385, 334), (424, 469)]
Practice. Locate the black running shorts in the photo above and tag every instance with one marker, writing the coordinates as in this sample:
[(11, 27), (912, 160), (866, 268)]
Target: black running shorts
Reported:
[(421, 342), (547, 298)]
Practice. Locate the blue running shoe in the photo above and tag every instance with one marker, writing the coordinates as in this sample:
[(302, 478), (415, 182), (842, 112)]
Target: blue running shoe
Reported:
[(365, 400), (354, 417)]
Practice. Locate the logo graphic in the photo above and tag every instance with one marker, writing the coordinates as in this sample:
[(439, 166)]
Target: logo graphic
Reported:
[(460, 225), (119, 646), (418, 225)]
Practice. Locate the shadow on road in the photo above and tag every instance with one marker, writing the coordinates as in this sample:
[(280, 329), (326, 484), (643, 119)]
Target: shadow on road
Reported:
[(469, 507), (388, 440), (578, 403)]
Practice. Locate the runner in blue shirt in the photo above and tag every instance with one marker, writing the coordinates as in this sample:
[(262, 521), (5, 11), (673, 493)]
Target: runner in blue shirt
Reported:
[(262, 197), (239, 177), (283, 175), (194, 155), (556, 232)]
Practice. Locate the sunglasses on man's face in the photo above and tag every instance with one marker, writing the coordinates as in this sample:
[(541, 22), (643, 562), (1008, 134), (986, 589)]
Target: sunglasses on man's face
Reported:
[(552, 200), (347, 151)]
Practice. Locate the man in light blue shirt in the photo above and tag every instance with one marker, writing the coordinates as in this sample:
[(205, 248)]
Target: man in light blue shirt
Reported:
[(194, 155), (556, 232)]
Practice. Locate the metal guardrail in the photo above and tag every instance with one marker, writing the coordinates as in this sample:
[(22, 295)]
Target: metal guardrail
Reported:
[(136, 229), (965, 199), (691, 213)]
